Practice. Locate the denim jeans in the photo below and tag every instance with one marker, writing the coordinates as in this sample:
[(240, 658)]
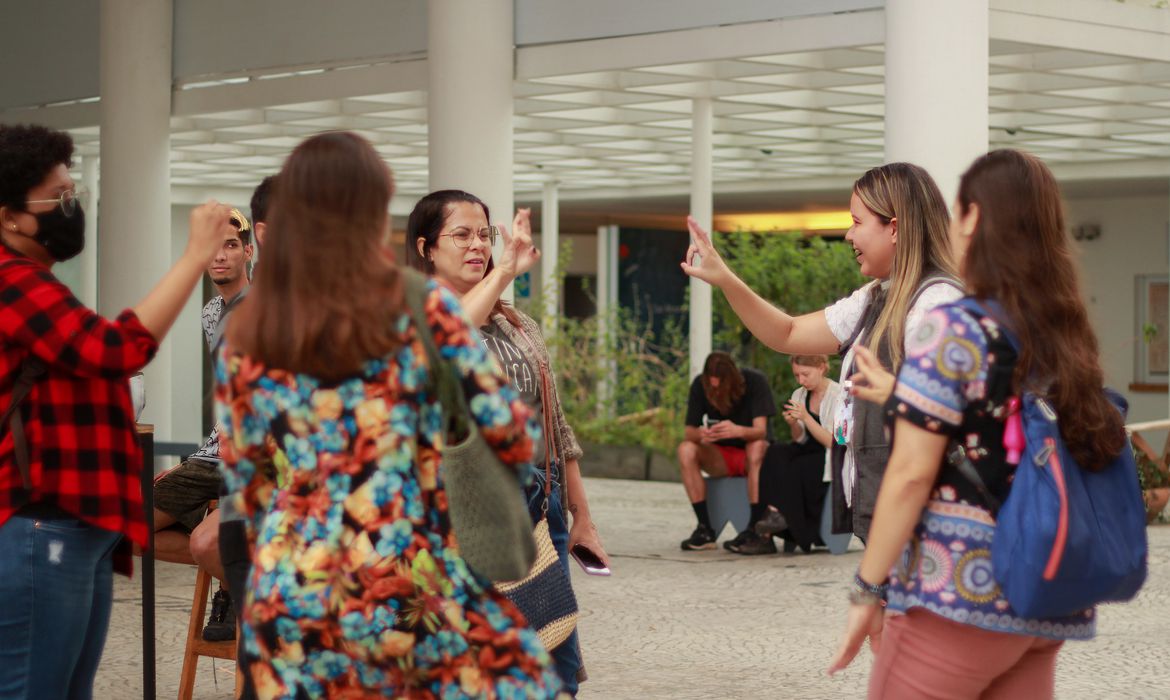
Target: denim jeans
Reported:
[(234, 555), (56, 591), (565, 657)]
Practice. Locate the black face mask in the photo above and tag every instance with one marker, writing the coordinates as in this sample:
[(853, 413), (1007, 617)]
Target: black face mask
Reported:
[(62, 236)]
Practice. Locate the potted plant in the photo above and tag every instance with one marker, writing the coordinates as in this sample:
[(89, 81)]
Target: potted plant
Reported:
[(1153, 476)]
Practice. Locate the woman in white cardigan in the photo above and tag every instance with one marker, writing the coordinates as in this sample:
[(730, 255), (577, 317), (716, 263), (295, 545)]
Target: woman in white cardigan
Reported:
[(795, 476)]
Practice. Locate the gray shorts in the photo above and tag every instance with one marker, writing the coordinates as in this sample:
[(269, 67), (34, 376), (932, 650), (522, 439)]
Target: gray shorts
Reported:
[(183, 491)]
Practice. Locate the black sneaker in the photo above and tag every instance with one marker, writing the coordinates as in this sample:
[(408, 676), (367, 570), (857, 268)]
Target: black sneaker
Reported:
[(772, 524), (756, 544), (221, 624), (702, 538), (733, 544)]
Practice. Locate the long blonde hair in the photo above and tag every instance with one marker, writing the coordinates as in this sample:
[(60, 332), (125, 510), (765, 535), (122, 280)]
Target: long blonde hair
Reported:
[(908, 193)]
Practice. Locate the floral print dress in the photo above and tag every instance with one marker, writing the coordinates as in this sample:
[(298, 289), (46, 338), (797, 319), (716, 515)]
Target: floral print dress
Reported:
[(357, 588)]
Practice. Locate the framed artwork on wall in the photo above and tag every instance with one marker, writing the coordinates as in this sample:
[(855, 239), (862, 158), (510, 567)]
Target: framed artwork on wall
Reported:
[(1152, 329)]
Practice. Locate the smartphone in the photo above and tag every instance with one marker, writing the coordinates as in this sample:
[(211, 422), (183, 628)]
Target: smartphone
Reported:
[(706, 421), (589, 561)]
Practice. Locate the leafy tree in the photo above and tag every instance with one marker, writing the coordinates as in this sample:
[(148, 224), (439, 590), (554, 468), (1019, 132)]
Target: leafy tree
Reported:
[(647, 404), (800, 274)]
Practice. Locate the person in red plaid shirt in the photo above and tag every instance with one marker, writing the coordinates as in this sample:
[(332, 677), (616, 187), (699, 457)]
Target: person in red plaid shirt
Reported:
[(63, 515)]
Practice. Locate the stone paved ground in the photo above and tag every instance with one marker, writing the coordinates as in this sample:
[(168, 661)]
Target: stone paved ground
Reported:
[(679, 625)]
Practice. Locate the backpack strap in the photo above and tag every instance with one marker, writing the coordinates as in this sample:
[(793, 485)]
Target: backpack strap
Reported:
[(957, 458), (993, 309), (932, 279), (874, 302), (31, 369)]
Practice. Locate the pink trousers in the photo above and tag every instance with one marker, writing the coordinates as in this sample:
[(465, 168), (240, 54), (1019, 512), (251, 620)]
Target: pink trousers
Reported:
[(923, 655)]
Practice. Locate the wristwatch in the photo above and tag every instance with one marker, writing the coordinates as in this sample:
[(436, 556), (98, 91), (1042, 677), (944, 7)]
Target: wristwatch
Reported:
[(864, 593)]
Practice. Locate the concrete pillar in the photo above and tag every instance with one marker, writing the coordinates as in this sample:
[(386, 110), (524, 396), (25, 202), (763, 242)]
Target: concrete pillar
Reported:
[(87, 284), (469, 101), (606, 305), (701, 208), (936, 86), (550, 244), (135, 109)]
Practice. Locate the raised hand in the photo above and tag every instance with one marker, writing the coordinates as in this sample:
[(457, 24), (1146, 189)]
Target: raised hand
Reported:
[(871, 382), (703, 261), (519, 254), (210, 222)]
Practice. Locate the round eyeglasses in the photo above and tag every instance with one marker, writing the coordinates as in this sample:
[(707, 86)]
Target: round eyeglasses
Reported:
[(67, 200), (462, 237)]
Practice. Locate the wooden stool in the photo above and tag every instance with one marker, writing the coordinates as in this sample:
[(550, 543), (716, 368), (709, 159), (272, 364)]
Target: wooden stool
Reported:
[(196, 646)]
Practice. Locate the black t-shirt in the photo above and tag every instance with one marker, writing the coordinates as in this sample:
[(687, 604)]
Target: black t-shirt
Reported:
[(756, 401), (523, 374)]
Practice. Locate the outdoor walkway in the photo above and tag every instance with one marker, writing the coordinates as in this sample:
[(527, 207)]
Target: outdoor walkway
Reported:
[(671, 624)]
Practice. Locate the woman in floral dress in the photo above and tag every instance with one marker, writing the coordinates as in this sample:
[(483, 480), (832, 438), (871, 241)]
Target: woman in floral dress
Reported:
[(357, 587)]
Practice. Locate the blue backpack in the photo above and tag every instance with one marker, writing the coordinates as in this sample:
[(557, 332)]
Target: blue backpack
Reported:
[(1066, 538)]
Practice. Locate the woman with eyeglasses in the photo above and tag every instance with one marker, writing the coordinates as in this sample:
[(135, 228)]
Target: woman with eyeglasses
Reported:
[(448, 236), (70, 465)]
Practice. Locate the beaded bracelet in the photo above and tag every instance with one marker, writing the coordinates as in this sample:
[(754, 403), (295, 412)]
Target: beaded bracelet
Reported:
[(877, 590)]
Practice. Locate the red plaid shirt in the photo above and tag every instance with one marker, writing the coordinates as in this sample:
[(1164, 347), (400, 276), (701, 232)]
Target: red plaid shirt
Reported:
[(83, 447)]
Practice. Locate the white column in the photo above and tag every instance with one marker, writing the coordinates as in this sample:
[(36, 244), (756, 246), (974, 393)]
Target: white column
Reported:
[(606, 303), (550, 244), (87, 285), (135, 109), (936, 86), (701, 208), (469, 101)]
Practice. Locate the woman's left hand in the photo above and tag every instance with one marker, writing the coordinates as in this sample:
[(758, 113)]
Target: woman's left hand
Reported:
[(871, 382), (518, 254), (864, 621), (584, 533)]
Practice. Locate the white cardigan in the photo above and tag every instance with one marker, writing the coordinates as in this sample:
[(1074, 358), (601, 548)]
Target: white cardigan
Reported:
[(829, 404)]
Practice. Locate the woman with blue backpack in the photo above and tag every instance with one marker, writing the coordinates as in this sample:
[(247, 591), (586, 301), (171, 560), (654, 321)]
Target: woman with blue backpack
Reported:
[(996, 398)]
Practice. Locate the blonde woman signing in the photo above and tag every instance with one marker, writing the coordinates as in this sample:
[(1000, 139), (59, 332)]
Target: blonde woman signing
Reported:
[(899, 234)]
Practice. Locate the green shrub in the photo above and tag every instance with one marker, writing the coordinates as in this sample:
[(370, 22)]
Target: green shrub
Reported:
[(648, 404)]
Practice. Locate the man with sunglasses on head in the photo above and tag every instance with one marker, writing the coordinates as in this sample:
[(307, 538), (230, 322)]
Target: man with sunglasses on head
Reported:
[(184, 532), (70, 463)]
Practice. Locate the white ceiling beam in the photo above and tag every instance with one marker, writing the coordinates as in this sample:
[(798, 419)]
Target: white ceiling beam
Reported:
[(332, 84), (1084, 25), (1148, 168), (707, 44)]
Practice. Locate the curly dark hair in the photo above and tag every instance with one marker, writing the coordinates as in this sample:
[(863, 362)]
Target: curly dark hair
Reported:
[(27, 153)]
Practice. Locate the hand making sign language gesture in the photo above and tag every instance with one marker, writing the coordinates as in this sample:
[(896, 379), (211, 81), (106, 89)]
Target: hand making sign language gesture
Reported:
[(518, 254)]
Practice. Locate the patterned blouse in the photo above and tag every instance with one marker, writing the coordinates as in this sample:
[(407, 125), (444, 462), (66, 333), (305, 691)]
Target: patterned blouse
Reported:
[(357, 586), (956, 380)]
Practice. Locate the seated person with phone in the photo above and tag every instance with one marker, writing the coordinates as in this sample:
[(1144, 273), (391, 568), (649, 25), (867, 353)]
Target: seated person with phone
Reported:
[(726, 434)]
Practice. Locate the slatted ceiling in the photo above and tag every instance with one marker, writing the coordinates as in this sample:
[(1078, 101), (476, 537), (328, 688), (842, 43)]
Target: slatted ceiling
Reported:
[(777, 117)]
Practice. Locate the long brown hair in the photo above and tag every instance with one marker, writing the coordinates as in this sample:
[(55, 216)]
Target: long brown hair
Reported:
[(908, 193), (731, 382), (325, 299), (426, 221), (1020, 256)]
